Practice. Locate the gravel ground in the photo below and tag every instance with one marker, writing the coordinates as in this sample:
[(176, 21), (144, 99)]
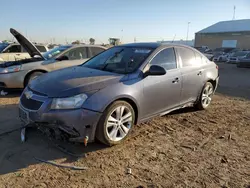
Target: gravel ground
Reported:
[(186, 148)]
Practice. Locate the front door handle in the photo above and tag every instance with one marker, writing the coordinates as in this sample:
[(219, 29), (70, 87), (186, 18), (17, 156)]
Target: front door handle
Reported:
[(176, 80), (199, 73)]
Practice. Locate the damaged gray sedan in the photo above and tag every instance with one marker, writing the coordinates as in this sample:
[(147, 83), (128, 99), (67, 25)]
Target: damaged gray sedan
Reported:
[(122, 86)]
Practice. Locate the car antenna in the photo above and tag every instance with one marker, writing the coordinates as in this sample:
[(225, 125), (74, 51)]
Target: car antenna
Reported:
[(173, 38)]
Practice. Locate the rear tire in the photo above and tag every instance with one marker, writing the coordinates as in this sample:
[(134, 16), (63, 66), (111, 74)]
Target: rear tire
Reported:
[(32, 77), (205, 96), (116, 123)]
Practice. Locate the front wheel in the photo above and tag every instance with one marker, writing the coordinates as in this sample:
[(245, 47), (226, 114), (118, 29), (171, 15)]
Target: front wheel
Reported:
[(32, 77), (205, 97), (115, 123)]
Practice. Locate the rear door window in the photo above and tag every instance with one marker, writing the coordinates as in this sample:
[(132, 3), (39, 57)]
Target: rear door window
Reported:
[(166, 59), (187, 57), (41, 48), (77, 53), (93, 51), (13, 49), (200, 59)]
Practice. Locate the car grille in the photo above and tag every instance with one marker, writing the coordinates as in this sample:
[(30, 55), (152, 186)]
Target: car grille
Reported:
[(30, 104)]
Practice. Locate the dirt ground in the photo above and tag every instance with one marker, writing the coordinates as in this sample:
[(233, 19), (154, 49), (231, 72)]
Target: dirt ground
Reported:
[(186, 148)]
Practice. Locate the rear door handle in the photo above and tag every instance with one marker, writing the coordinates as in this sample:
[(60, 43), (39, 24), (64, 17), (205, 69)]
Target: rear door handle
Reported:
[(176, 80), (199, 73)]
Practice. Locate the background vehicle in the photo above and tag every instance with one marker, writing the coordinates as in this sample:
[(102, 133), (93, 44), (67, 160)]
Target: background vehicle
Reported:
[(17, 74), (244, 62), (118, 88), (221, 54), (15, 52), (237, 56)]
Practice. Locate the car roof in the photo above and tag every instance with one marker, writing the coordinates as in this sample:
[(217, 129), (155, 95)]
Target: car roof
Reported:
[(153, 45), (36, 44), (84, 45)]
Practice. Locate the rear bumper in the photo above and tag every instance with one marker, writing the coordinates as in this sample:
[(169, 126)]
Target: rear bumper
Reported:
[(217, 83), (12, 80)]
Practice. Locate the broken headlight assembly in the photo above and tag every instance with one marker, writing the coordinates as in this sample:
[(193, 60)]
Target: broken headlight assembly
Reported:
[(15, 68), (69, 102)]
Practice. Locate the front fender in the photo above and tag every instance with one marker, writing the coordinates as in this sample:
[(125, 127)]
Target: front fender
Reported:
[(100, 100)]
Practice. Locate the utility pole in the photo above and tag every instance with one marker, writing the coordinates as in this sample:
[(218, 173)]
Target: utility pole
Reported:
[(187, 31), (234, 12)]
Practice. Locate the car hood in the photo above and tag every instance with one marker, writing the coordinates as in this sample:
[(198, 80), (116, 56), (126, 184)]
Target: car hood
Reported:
[(72, 81), (26, 44)]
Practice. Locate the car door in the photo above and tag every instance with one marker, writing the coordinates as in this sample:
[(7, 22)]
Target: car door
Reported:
[(162, 93), (12, 52), (75, 56), (23, 55), (192, 74)]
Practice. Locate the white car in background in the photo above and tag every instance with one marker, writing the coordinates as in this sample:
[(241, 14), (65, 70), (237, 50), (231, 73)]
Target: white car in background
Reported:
[(15, 52)]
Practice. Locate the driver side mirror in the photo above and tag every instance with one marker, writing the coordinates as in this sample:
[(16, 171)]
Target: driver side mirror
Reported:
[(62, 58), (155, 70)]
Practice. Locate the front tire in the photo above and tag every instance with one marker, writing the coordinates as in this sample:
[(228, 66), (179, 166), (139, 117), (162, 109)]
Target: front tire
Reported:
[(115, 123), (205, 97), (32, 77)]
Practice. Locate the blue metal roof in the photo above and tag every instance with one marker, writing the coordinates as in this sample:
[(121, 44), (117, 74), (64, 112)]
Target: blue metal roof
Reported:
[(228, 26)]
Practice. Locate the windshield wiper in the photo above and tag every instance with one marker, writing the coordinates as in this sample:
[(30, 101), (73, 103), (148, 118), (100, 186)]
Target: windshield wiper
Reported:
[(106, 64)]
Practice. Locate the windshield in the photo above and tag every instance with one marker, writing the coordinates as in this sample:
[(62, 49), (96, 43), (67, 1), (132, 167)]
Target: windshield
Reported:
[(3, 46), (55, 51), (240, 53), (119, 59)]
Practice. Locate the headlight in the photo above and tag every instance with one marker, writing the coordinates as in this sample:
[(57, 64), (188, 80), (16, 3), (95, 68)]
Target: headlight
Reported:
[(69, 103), (15, 68)]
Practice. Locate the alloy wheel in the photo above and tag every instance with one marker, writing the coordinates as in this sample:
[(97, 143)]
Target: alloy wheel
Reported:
[(119, 123), (207, 95)]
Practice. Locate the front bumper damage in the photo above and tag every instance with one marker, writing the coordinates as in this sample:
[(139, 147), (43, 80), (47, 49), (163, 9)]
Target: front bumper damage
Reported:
[(74, 125)]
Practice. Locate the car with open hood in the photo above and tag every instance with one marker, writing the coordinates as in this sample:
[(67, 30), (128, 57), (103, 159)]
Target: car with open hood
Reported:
[(17, 74), (15, 51), (120, 87)]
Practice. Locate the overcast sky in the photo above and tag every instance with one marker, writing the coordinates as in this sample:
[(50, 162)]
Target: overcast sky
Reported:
[(147, 20)]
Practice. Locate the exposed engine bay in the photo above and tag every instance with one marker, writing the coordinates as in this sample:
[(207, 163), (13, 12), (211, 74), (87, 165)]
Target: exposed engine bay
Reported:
[(20, 62)]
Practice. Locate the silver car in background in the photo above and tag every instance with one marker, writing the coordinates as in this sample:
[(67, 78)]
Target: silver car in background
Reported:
[(17, 74), (237, 56), (122, 86)]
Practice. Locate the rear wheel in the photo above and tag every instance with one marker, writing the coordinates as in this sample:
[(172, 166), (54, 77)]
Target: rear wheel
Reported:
[(32, 77), (206, 96), (115, 123)]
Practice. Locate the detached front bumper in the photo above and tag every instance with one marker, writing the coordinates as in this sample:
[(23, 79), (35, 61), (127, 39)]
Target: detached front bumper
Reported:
[(76, 123)]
